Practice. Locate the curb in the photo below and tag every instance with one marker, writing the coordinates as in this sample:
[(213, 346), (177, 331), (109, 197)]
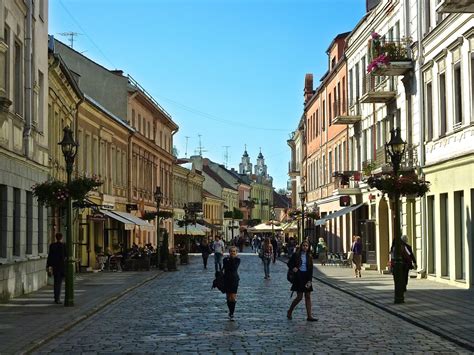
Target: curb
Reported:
[(88, 314), (460, 342), (457, 341)]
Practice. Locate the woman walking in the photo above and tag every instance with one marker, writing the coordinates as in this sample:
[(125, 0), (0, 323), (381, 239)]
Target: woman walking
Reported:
[(322, 251), (205, 251), (301, 263), (357, 255), (267, 257), (231, 279)]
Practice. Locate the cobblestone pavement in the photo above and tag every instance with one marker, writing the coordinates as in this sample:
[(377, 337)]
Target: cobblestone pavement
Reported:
[(179, 313)]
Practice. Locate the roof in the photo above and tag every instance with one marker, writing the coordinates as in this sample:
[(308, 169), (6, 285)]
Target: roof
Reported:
[(339, 36), (207, 170), (280, 201), (206, 193)]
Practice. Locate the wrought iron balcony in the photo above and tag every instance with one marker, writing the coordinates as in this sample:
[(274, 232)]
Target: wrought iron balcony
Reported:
[(377, 90), (345, 183), (455, 6), (344, 116)]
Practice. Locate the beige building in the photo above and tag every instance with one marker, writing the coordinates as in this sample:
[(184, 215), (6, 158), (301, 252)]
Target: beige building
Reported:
[(187, 189), (23, 145)]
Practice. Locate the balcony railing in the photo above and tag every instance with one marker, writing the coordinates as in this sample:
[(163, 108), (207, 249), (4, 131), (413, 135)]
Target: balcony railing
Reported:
[(377, 90), (344, 116), (455, 6), (293, 169), (390, 57)]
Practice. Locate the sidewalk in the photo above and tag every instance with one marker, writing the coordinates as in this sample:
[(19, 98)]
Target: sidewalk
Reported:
[(27, 321), (442, 309)]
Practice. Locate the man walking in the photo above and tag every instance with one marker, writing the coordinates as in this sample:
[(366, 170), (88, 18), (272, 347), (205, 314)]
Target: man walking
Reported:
[(218, 247), (56, 265)]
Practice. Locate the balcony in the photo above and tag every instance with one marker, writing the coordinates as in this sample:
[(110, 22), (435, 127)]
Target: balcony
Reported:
[(390, 58), (346, 183), (455, 6), (381, 163), (293, 169), (377, 90), (344, 116)]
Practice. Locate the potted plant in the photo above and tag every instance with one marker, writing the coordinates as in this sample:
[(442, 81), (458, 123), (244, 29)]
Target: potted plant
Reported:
[(407, 184)]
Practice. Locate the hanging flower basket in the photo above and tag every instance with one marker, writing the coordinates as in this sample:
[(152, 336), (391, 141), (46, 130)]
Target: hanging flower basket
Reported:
[(404, 185), (54, 193)]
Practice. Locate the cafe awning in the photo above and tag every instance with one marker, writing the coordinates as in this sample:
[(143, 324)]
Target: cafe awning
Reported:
[(191, 229), (128, 225), (338, 213), (144, 225), (264, 227)]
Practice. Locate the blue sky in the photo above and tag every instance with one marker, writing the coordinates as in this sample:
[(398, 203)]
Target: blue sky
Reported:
[(231, 71)]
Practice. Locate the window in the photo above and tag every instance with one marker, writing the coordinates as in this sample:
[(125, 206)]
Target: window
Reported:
[(317, 122), (457, 95), (427, 22), (429, 111), (17, 89), (16, 221), (459, 234), (343, 156), (324, 116), (6, 34), (431, 228), (330, 109), (472, 87), (357, 82), (351, 92), (338, 100), (139, 123), (40, 229), (336, 161), (444, 229), (442, 105), (133, 118), (364, 87), (343, 94), (41, 100), (333, 63), (3, 221), (329, 170), (29, 223)]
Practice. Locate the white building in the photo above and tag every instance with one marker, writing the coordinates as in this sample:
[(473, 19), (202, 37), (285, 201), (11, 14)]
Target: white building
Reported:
[(23, 144), (447, 88)]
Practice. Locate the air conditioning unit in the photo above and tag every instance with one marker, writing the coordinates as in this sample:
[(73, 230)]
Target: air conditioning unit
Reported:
[(455, 6)]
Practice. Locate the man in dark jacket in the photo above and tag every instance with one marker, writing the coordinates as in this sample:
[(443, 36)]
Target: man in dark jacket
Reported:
[(56, 264)]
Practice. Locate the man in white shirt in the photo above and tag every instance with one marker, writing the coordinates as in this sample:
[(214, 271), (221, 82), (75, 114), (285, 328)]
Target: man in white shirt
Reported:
[(218, 247)]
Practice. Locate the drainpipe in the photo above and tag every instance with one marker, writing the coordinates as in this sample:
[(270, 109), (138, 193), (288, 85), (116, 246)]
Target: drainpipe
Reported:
[(421, 59), (28, 64)]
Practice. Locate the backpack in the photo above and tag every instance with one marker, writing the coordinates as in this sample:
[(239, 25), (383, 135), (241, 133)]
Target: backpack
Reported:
[(407, 257)]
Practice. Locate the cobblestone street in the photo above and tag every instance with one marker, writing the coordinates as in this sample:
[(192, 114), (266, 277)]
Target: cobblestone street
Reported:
[(179, 313)]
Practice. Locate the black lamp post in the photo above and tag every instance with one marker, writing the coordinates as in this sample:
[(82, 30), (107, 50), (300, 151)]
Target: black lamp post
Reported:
[(272, 213), (186, 220), (69, 149), (158, 198), (395, 149), (302, 194)]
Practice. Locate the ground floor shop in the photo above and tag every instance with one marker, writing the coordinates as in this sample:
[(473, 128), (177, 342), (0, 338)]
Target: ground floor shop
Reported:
[(449, 237)]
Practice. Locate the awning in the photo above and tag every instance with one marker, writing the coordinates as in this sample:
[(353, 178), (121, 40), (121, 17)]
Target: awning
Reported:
[(191, 229), (336, 214), (129, 225), (144, 225), (290, 226), (264, 227)]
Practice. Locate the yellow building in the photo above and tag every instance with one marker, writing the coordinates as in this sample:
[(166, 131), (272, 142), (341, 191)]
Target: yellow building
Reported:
[(213, 212)]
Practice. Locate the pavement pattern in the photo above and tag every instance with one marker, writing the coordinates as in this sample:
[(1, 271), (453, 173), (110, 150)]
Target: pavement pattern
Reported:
[(179, 313)]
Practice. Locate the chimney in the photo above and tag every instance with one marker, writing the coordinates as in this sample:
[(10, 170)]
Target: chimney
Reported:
[(308, 87)]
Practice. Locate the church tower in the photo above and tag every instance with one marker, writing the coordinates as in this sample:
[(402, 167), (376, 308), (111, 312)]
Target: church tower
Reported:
[(245, 167), (260, 167)]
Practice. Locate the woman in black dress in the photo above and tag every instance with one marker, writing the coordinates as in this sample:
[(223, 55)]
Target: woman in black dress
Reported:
[(301, 263), (231, 279)]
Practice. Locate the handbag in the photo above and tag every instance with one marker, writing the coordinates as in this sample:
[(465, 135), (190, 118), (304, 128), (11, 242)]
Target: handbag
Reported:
[(219, 282), (290, 276)]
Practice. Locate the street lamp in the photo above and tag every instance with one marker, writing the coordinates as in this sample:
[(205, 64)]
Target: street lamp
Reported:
[(395, 149), (272, 211), (69, 149), (302, 194), (158, 198)]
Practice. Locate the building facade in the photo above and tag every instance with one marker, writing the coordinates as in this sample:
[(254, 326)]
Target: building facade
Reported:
[(23, 145)]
